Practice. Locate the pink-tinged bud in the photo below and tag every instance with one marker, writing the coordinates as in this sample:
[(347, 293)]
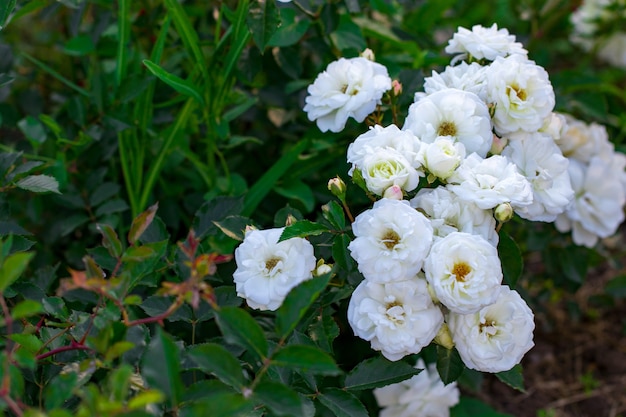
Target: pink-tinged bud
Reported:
[(394, 192), (337, 187), (368, 54), (497, 145), (503, 212), (396, 86)]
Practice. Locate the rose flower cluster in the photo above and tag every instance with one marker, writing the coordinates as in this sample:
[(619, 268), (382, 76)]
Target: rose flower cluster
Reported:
[(480, 144)]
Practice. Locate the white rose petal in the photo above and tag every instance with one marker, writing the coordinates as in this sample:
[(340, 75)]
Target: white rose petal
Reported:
[(464, 271), (521, 93), (397, 318), (347, 88), (467, 77), (267, 270), (442, 157), (385, 167), (490, 182), (598, 206), (448, 213), (540, 160), (495, 338), (421, 395), (484, 43), (392, 241), (459, 114), (582, 141)]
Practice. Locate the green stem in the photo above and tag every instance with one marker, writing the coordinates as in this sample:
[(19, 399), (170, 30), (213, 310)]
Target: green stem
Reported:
[(155, 169)]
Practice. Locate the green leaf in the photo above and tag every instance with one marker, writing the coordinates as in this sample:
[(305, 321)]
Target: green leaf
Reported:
[(238, 327), (303, 228), (378, 372), (307, 359), (141, 223), (215, 359), (616, 287), (6, 8), (348, 35), (297, 303), (80, 45), (187, 34), (472, 407), (145, 398), (212, 211), (324, 331), (221, 404), (264, 185), (13, 266), (39, 184), (184, 87), (449, 364), (292, 28), (297, 190), (514, 378), (161, 367), (342, 403), (56, 75), (341, 255), (263, 20), (137, 253), (26, 308), (92, 269), (33, 130), (30, 342), (333, 212), (110, 240), (511, 259), (234, 226), (280, 399)]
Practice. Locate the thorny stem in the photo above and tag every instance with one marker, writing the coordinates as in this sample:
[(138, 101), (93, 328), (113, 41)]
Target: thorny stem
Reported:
[(72, 346), (13, 405)]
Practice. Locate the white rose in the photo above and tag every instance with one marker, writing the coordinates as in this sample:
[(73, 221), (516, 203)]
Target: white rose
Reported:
[(378, 137), (467, 77), (459, 114), (613, 50), (490, 182), (421, 395), (267, 270), (347, 88), (540, 160), (442, 157), (495, 338), (583, 141), (385, 167), (521, 93), (598, 206), (448, 213), (484, 43), (397, 318), (464, 271), (392, 239)]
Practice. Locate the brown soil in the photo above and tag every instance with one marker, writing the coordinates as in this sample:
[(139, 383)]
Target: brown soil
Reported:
[(577, 367)]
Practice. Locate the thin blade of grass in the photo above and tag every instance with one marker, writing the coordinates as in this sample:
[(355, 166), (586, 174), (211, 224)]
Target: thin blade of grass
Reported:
[(122, 42), (56, 75)]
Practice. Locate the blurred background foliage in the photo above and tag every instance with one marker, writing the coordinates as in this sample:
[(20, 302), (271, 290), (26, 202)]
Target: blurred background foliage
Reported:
[(197, 105)]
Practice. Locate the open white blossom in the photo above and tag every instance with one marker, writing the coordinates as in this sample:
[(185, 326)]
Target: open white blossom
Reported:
[(467, 77), (521, 93), (267, 270), (583, 141), (347, 88), (448, 213), (540, 160), (489, 182), (397, 318), (496, 338), (459, 114), (464, 271), (598, 206), (442, 157), (613, 50), (421, 395), (484, 43), (378, 137), (385, 157), (392, 239)]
